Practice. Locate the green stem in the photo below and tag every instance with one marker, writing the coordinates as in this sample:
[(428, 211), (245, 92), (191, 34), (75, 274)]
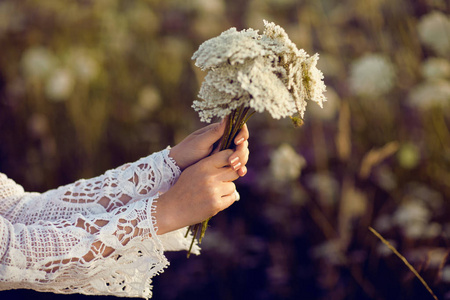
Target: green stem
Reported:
[(196, 227)]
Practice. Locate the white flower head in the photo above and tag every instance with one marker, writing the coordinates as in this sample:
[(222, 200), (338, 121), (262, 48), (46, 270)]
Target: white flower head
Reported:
[(286, 164), (264, 72), (38, 62), (414, 217), (84, 64), (446, 274), (149, 99), (431, 93), (60, 85), (372, 75), (434, 32), (434, 68)]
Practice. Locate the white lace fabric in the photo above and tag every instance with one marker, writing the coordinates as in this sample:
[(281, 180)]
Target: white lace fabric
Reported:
[(95, 236)]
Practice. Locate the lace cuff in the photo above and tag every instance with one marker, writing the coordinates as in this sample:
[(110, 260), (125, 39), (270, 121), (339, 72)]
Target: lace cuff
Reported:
[(116, 253)]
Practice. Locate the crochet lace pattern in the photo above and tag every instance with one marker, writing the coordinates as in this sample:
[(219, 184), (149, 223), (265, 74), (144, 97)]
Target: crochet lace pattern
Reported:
[(95, 236)]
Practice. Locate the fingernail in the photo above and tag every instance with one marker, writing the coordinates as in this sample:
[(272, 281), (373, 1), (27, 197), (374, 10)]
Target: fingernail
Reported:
[(237, 166), (239, 141), (234, 160)]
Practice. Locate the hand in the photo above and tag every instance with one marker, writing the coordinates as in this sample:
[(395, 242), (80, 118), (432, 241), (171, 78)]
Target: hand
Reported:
[(239, 158), (201, 191), (200, 143)]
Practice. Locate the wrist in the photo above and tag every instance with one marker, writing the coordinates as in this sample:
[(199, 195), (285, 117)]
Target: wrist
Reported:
[(176, 155), (162, 219)]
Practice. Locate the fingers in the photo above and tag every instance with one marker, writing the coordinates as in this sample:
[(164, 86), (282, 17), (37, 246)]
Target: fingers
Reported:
[(240, 157), (221, 166), (228, 188), (231, 197), (220, 159), (237, 159), (242, 171), (228, 175), (242, 136)]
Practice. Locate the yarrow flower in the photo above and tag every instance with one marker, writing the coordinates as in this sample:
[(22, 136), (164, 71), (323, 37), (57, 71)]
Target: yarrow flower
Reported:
[(372, 75), (431, 93), (435, 68), (249, 72), (434, 32), (263, 72), (286, 164)]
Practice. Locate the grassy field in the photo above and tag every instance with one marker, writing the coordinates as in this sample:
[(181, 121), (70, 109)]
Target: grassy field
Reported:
[(86, 86)]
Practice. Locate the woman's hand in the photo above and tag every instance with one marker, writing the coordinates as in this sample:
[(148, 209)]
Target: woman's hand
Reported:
[(200, 143), (239, 158), (201, 191)]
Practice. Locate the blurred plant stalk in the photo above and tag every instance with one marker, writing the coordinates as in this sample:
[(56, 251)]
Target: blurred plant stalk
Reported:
[(234, 123)]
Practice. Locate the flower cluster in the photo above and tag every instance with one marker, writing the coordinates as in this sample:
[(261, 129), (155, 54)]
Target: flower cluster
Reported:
[(286, 164), (434, 30), (372, 75), (263, 72)]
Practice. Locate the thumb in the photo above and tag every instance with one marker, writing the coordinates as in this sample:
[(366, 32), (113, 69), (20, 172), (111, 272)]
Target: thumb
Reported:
[(214, 132)]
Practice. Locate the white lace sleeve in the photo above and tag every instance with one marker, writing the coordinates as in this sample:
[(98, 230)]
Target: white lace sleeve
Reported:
[(95, 236), (115, 253), (148, 176)]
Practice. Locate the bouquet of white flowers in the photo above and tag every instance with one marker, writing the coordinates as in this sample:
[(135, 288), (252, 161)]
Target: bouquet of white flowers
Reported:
[(249, 72)]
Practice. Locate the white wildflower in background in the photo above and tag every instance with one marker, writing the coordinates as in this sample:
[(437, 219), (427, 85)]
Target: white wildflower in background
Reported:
[(372, 75), (215, 7), (383, 222), (414, 217), (286, 164), (434, 32), (149, 99), (435, 68), (84, 63), (445, 274), (142, 18), (38, 62), (326, 185), (383, 250), (60, 85), (429, 94), (263, 72), (435, 90), (330, 250), (353, 205)]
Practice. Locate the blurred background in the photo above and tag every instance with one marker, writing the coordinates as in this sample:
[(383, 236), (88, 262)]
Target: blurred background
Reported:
[(87, 85)]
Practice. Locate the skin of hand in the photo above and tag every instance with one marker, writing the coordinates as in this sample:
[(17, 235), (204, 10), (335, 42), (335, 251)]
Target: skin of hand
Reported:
[(202, 190), (200, 143)]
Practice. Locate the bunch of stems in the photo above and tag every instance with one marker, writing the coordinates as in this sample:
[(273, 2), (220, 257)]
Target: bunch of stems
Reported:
[(234, 123)]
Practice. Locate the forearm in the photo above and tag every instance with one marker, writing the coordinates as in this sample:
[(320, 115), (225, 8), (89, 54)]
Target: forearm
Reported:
[(117, 187)]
